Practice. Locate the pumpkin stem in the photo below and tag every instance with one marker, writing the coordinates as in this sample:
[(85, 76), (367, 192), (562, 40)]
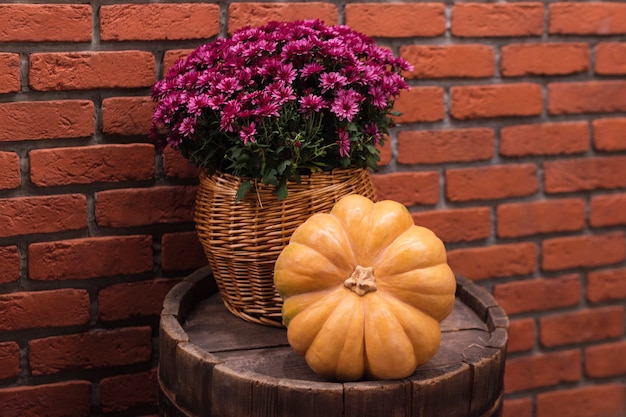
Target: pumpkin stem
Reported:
[(361, 281)]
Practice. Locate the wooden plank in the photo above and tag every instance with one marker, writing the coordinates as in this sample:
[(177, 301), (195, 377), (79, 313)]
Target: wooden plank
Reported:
[(276, 362), (475, 297), (193, 382), (232, 392), (170, 335), (211, 325), (462, 318), (309, 399), (202, 286), (171, 303), (442, 392), (370, 398), (487, 381)]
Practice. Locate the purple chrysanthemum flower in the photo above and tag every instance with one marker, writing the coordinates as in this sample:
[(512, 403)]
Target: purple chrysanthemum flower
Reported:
[(229, 113), (379, 98), (311, 104), (228, 85), (282, 92), (343, 142), (246, 134), (187, 127), (331, 81), (372, 130), (346, 104), (310, 69), (198, 103), (286, 73)]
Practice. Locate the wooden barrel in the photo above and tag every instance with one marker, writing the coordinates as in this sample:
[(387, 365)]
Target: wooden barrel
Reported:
[(213, 364)]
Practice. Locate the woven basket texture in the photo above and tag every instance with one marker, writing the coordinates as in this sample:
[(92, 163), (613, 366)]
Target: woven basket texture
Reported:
[(243, 240)]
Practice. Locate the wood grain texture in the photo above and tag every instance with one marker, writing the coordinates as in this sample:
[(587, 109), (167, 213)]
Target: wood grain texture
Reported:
[(214, 364)]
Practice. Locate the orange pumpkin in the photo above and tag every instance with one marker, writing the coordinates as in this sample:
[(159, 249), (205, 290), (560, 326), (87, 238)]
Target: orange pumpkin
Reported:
[(364, 290)]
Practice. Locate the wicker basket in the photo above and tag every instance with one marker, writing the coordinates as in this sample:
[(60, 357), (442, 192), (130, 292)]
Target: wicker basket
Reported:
[(243, 240)]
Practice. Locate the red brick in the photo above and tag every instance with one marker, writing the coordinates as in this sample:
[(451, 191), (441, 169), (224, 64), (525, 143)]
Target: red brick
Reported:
[(606, 285), (133, 299), (608, 210), (45, 23), (601, 18), (9, 72), (493, 182), (494, 261), (457, 225), (90, 257), (43, 309), (122, 392), (144, 206), (384, 153), (554, 58), (605, 360), (538, 294), (9, 264), (258, 13), (582, 326), (441, 146), (127, 116), (502, 100), (9, 360), (590, 401), (55, 71), (46, 214), (543, 216), (544, 139), (449, 61), (180, 251), (521, 335), (420, 104), (408, 188), (608, 134), (497, 19), (520, 407), (94, 349), (171, 57), (583, 251), (397, 20), (54, 119), (9, 170), (587, 97), (177, 166), (611, 58), (157, 22), (584, 174), (72, 398), (91, 164), (542, 370)]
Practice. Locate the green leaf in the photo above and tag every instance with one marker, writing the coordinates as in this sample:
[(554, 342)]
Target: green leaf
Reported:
[(243, 190), (281, 192), (282, 166)]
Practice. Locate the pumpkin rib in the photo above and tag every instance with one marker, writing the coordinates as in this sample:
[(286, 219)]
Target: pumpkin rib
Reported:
[(340, 357), (300, 268), (416, 248), (305, 326), (388, 349), (324, 233), (430, 289), (426, 337)]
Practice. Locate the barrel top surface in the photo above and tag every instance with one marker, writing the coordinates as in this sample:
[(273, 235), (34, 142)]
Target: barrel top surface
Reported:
[(264, 349), (244, 361)]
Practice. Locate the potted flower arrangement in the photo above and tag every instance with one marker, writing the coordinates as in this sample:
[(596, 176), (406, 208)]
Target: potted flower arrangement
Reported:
[(269, 108)]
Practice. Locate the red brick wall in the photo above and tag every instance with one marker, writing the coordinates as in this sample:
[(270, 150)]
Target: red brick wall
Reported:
[(512, 148)]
